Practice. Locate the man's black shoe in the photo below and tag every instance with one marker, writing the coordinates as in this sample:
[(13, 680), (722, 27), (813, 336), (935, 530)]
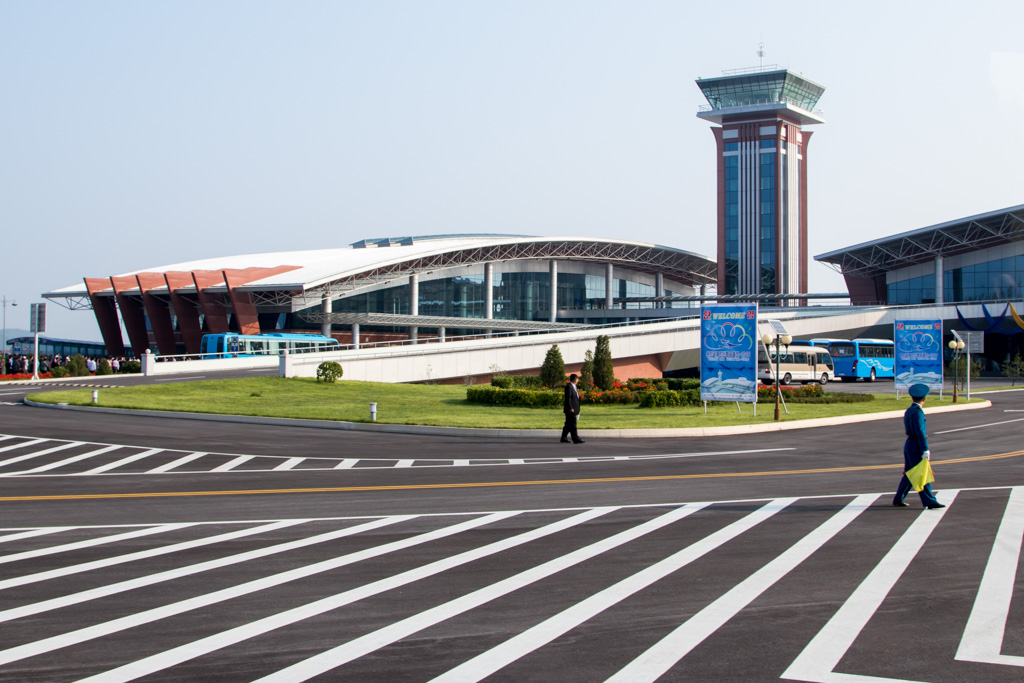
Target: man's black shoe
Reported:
[(936, 506), (563, 441), (580, 441), (900, 504)]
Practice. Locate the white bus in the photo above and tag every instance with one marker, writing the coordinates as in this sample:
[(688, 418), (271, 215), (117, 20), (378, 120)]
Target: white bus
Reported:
[(801, 363)]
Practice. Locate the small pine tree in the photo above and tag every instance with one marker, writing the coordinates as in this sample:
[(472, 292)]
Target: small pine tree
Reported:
[(587, 372), (1014, 368), (552, 372), (77, 367), (604, 372), (103, 367)]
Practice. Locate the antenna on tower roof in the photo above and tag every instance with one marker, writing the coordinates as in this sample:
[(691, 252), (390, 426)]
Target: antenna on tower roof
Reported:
[(760, 54)]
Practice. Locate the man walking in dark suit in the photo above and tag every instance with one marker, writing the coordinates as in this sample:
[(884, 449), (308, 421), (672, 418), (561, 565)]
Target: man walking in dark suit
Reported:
[(571, 408)]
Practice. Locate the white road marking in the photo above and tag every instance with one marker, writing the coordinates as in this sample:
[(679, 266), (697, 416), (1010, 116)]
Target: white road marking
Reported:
[(92, 542), (288, 464), (29, 456), (172, 574), (166, 467), (667, 652), (68, 461), (232, 464), (821, 656), (347, 463), (990, 424), (143, 554), (221, 640), (525, 642), (33, 533), (99, 630), (983, 636), (180, 379), (118, 463), (23, 444)]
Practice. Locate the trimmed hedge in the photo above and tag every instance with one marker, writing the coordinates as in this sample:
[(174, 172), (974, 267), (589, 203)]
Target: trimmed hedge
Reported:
[(516, 382), (524, 398), (671, 383)]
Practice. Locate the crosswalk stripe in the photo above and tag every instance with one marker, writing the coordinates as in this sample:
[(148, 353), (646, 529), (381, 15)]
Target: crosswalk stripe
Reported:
[(288, 464), (986, 627), (29, 456), (93, 542), (32, 533), (132, 620), (190, 570), (123, 461), (68, 461), (218, 641), (337, 656), (664, 654), (143, 554), (167, 467), (346, 464), (817, 661), (502, 655), (232, 464), (23, 444)]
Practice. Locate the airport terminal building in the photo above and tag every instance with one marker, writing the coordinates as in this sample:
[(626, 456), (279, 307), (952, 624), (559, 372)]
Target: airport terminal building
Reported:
[(392, 288)]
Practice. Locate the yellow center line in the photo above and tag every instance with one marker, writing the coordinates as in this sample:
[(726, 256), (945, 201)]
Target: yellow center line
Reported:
[(489, 484)]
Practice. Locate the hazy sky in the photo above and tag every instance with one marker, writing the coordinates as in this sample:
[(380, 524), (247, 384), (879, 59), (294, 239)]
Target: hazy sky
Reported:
[(138, 134)]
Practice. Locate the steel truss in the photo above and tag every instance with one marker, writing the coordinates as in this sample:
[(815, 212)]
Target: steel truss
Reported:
[(922, 246), (677, 266)]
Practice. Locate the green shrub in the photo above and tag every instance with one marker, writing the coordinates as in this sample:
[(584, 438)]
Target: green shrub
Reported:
[(76, 367), (58, 371), (130, 367), (604, 372), (586, 382), (329, 371), (524, 398), (516, 382), (552, 370), (103, 367)]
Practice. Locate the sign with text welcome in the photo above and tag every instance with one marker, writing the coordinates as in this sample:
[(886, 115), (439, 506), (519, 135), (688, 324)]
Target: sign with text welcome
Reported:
[(918, 353), (728, 353)]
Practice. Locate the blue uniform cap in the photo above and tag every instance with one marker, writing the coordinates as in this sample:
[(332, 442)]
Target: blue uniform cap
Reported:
[(918, 390)]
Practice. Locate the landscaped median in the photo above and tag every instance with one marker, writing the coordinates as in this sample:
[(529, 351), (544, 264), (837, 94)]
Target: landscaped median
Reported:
[(439, 405)]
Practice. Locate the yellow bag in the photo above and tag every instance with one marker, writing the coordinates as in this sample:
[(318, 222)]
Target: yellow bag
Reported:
[(920, 475)]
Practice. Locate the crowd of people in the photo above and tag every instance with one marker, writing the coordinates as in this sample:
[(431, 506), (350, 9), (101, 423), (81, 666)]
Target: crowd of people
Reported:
[(23, 364)]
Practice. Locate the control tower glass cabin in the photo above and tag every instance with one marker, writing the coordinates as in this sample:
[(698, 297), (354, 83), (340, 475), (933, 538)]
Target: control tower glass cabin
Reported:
[(762, 176)]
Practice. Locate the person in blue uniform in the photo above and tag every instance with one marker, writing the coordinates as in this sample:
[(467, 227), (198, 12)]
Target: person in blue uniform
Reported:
[(571, 408), (915, 449)]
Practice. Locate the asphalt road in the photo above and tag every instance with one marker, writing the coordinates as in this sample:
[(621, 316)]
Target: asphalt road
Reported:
[(180, 550)]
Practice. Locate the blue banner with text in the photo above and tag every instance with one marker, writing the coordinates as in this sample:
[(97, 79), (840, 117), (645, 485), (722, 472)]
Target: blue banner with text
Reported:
[(918, 353), (728, 353)]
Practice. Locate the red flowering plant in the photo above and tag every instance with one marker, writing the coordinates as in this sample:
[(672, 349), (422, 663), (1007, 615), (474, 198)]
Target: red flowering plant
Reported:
[(20, 375)]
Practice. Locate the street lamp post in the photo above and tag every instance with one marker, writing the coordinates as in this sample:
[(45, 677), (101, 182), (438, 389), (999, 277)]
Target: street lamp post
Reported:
[(779, 339), (957, 346), (3, 341)]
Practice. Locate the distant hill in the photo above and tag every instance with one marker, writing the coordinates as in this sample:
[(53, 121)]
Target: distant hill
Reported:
[(14, 332)]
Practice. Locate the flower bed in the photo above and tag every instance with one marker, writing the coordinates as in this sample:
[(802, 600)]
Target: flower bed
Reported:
[(21, 375)]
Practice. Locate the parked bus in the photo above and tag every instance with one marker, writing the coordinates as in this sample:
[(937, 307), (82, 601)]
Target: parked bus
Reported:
[(865, 358), (270, 344), (801, 363)]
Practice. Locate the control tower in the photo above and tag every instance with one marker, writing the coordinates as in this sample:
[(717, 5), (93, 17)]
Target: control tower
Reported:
[(762, 176)]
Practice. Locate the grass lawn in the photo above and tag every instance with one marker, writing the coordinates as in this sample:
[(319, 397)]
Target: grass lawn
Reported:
[(438, 405)]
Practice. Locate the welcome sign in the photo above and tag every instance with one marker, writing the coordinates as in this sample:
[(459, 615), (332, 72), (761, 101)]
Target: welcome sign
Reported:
[(918, 353), (728, 353)]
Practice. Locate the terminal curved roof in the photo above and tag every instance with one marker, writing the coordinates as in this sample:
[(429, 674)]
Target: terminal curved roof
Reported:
[(924, 244), (310, 274)]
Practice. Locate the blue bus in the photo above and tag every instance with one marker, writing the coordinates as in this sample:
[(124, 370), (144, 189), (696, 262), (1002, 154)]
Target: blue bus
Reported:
[(232, 344), (868, 359)]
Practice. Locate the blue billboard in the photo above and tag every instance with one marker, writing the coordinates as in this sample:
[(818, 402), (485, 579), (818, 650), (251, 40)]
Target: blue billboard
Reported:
[(728, 353), (918, 353)]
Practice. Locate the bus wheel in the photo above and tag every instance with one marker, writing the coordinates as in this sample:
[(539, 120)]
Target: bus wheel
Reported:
[(824, 379), (871, 377), (787, 378)]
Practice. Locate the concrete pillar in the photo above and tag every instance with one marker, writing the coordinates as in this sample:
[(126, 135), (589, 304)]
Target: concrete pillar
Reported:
[(355, 335), (940, 294), (553, 271), (440, 335), (325, 307), (609, 286), (414, 304), (489, 290)]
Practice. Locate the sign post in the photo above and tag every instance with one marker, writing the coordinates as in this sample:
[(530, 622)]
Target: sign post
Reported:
[(918, 345), (976, 344), (728, 353), (38, 324)]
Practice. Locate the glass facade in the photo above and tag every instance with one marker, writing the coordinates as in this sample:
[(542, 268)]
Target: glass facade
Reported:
[(768, 193), (759, 88), (997, 279), (732, 224)]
